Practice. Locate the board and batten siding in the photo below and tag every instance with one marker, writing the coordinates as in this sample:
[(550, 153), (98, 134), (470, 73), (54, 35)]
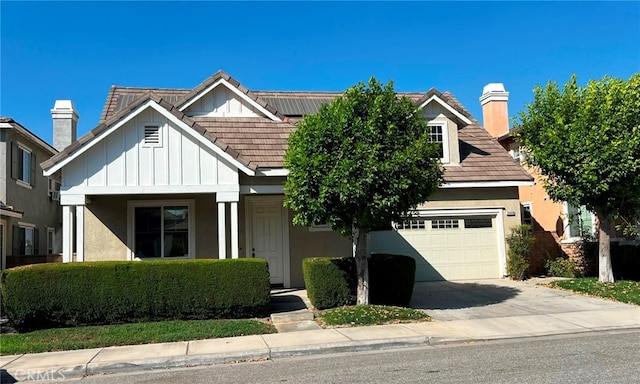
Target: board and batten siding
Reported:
[(123, 160), (222, 102)]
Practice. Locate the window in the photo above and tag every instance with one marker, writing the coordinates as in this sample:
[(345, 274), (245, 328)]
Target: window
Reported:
[(478, 223), (320, 228), (580, 221), (527, 217), (23, 164), (50, 236), (445, 224), (25, 240), (438, 134), (411, 224), (162, 230)]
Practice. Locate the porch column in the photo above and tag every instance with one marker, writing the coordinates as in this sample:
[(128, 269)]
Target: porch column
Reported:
[(79, 232), (222, 245), (234, 229), (67, 238)]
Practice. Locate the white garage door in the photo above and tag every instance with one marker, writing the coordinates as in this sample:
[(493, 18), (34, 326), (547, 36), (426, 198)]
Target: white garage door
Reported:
[(445, 248)]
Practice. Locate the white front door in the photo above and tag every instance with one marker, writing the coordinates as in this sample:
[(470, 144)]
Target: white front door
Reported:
[(266, 240)]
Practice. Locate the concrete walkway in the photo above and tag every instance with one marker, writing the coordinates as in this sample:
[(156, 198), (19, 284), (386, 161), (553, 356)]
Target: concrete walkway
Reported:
[(463, 311)]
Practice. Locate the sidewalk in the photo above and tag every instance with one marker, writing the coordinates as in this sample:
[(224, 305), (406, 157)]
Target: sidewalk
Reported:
[(70, 364)]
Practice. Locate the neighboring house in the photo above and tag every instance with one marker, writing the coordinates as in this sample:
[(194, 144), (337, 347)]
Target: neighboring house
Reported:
[(30, 212), (558, 226), (198, 173)]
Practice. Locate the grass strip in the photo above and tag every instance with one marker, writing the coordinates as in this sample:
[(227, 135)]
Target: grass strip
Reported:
[(624, 291), (59, 339), (359, 315)]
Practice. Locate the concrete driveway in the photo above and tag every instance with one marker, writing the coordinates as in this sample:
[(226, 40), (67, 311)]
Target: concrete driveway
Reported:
[(484, 299)]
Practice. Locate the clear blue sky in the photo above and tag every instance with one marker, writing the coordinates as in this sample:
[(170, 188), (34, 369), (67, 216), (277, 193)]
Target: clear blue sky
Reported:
[(77, 50)]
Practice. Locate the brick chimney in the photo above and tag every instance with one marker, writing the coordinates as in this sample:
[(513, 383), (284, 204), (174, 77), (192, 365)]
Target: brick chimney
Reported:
[(494, 109), (65, 124)]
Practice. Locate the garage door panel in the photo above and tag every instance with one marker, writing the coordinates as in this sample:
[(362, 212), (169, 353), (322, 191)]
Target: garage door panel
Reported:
[(445, 248)]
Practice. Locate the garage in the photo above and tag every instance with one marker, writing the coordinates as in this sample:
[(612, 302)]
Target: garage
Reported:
[(446, 247)]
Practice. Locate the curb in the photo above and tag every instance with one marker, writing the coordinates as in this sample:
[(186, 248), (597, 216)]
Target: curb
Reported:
[(90, 369)]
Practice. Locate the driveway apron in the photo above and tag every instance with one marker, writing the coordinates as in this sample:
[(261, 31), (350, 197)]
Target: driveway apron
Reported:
[(483, 299)]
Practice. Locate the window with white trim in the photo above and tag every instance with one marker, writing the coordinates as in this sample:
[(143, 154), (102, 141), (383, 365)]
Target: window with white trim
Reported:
[(23, 164), (438, 133), (526, 213), (445, 224), (25, 240), (162, 230), (320, 228), (411, 224), (580, 221), (478, 222)]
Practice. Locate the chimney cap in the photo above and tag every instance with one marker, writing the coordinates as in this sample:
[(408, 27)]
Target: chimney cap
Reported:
[(62, 109), (493, 92)]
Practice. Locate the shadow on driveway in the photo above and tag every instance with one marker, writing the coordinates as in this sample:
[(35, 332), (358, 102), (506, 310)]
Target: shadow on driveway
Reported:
[(457, 295)]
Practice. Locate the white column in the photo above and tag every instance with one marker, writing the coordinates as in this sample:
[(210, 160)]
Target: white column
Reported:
[(79, 232), (234, 229), (222, 245), (67, 238)]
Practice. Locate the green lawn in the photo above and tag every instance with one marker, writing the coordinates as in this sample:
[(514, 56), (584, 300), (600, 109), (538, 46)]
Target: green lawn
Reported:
[(358, 315), (624, 291), (58, 339)]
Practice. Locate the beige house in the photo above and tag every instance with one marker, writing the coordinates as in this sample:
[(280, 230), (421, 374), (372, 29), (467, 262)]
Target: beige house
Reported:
[(30, 213), (198, 173)]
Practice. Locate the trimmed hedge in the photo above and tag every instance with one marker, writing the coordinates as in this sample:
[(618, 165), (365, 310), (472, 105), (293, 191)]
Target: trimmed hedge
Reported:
[(332, 282), (391, 279), (71, 294)]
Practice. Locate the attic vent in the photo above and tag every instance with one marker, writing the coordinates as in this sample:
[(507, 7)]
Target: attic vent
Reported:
[(152, 136)]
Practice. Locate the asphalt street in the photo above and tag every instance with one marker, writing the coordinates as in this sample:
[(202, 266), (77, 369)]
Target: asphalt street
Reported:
[(596, 357)]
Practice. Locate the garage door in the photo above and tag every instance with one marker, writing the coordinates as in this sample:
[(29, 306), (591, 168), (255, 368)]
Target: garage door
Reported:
[(445, 248)]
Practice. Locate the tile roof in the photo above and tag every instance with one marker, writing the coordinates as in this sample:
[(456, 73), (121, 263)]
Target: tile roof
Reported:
[(262, 143), (482, 158)]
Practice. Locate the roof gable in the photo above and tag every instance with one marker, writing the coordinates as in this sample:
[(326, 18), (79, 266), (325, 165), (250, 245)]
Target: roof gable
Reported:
[(244, 96), (148, 100), (449, 103)]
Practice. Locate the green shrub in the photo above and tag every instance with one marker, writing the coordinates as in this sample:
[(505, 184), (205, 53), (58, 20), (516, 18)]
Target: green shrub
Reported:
[(70, 294), (561, 267), (520, 242), (330, 282), (391, 279)]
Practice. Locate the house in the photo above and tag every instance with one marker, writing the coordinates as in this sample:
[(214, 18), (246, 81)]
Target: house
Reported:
[(558, 226), (198, 173), (30, 213)]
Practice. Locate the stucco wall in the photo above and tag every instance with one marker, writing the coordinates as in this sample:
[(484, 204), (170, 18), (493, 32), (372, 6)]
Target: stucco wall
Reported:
[(106, 225), (305, 243), (39, 210)]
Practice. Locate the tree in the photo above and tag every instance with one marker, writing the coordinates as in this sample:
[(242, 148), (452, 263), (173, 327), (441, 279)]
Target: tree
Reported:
[(586, 143), (360, 162)]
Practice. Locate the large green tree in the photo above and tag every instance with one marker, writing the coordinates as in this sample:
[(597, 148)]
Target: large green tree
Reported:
[(585, 140), (360, 162)]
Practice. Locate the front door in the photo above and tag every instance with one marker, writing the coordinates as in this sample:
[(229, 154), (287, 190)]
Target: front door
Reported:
[(267, 236)]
